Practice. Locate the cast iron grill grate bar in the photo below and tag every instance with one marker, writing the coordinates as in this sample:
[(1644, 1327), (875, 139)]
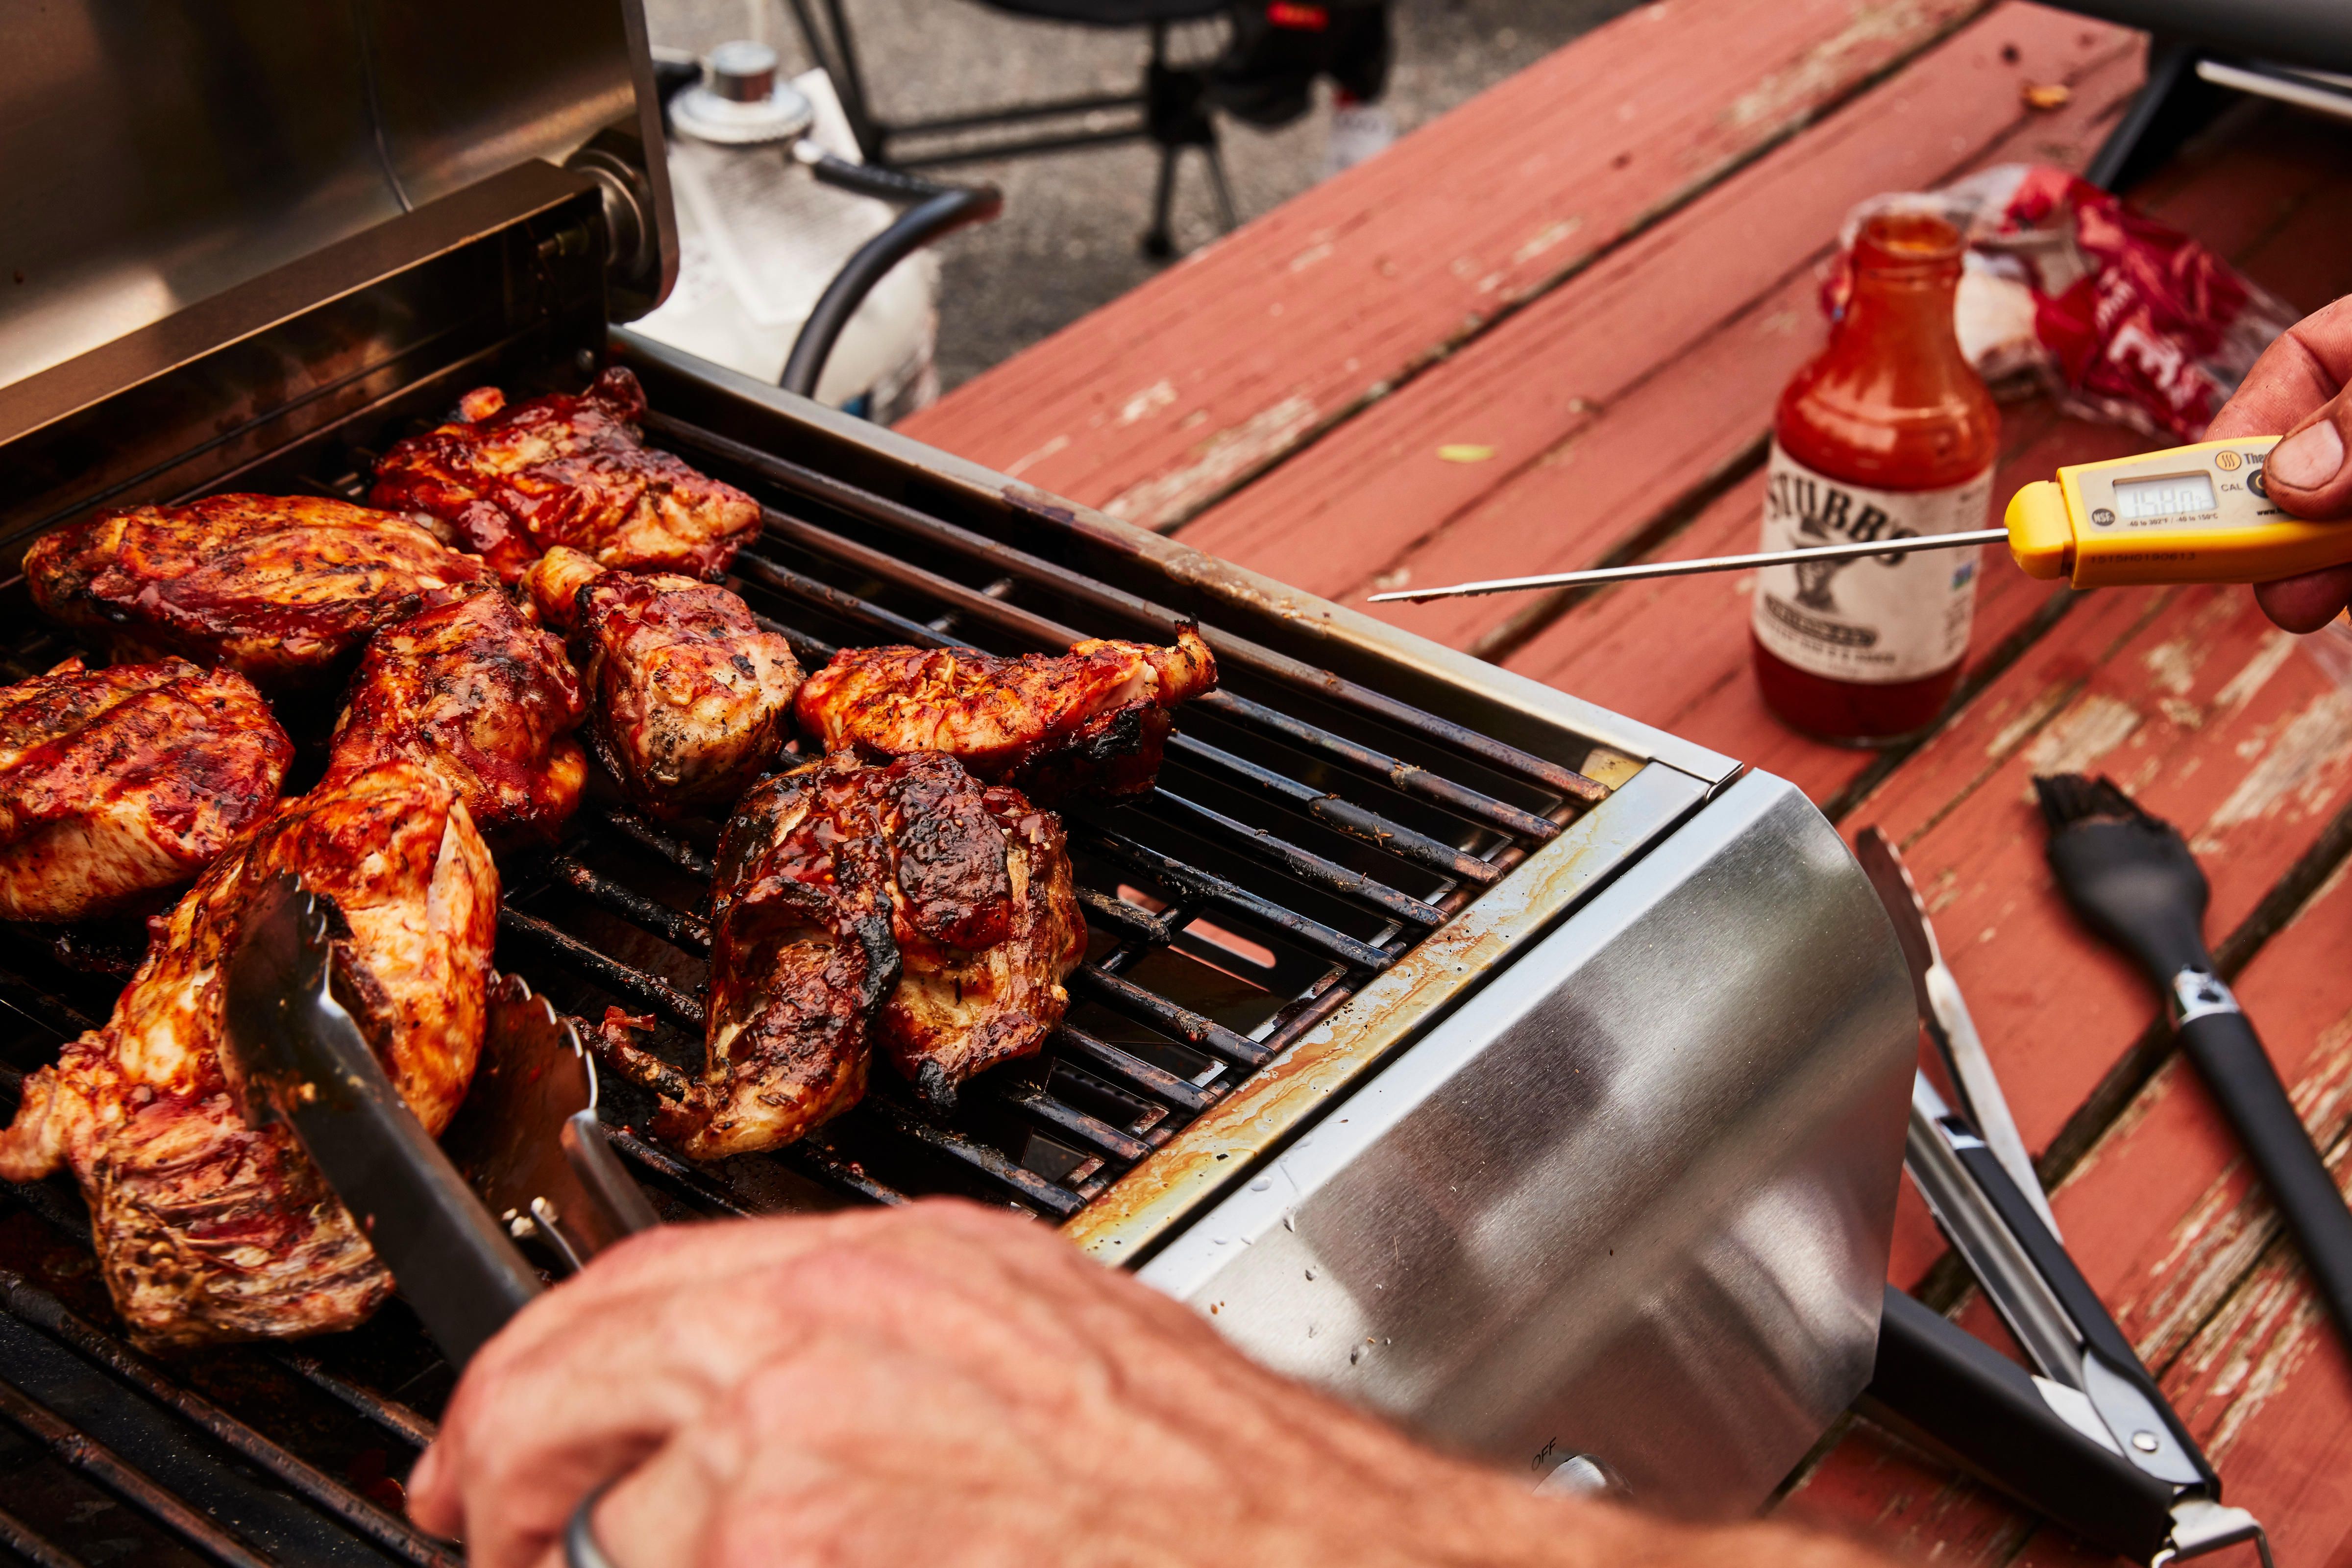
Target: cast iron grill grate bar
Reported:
[(77, 1450), (993, 609), (35, 1306), (1300, 864), (34, 1548), (1103, 598)]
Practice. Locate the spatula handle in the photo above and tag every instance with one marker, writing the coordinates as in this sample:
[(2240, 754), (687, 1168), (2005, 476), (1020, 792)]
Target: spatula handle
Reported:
[(2238, 1072)]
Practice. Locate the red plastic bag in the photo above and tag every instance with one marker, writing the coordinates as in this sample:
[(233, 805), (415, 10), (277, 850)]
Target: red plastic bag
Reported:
[(2121, 317)]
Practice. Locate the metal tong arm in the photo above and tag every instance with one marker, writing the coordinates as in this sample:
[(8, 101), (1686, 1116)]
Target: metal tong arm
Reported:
[(2039, 1292), (2092, 1441), (311, 1068)]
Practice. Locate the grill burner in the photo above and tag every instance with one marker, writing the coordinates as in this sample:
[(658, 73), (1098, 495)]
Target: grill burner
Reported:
[(1345, 826)]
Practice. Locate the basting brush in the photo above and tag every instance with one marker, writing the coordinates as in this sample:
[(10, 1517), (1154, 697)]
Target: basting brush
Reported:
[(2132, 880)]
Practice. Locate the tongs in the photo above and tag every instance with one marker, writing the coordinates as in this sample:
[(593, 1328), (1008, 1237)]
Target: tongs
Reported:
[(2087, 1438), (528, 1132)]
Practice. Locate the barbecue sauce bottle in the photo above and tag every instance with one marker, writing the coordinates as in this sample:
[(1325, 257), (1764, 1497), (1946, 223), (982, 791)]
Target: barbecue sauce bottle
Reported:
[(1888, 434)]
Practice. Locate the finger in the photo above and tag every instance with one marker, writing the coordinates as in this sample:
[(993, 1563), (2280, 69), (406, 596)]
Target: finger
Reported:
[(2308, 603), (2307, 472), (2310, 364)]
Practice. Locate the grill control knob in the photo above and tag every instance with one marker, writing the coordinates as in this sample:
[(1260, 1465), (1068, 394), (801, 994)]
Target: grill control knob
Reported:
[(742, 101)]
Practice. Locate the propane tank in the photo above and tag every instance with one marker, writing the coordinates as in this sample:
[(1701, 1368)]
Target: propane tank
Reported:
[(759, 239)]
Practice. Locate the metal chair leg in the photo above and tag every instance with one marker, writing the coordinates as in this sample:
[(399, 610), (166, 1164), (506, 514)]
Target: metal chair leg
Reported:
[(1159, 240), (1224, 193)]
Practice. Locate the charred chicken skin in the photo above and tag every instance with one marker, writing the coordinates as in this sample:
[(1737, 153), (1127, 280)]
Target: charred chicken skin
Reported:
[(688, 697), (483, 698), (208, 1229), (117, 783), (512, 483), (802, 959), (1093, 719), (283, 590), (853, 898), (987, 925)]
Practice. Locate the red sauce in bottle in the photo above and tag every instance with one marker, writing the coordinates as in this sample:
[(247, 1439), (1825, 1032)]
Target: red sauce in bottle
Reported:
[(1889, 432)]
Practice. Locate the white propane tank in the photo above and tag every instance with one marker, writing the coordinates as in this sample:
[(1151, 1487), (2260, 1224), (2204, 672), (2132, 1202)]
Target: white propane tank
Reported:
[(759, 237)]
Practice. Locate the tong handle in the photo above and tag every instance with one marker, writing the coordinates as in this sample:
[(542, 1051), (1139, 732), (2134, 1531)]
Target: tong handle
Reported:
[(2101, 1336), (2230, 1058), (1938, 1384)]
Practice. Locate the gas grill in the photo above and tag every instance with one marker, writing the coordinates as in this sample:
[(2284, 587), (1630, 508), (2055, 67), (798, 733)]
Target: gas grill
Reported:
[(1524, 1072)]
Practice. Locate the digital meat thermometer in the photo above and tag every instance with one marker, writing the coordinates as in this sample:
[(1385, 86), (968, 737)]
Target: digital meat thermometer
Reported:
[(2186, 514)]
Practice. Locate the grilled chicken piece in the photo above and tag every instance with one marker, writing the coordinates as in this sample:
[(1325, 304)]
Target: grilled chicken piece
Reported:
[(1093, 719), (987, 925), (484, 698), (852, 897), (281, 589), (687, 695), (208, 1229), (513, 482), (802, 959), (117, 783)]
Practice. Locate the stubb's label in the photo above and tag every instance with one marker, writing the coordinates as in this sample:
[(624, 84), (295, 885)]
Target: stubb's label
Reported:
[(1872, 619)]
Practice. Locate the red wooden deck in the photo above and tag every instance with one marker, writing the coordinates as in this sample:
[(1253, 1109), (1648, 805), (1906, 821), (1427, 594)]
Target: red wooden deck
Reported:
[(1598, 275)]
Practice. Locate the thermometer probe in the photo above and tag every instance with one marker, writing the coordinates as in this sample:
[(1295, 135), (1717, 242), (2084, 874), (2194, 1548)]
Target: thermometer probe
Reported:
[(2186, 514)]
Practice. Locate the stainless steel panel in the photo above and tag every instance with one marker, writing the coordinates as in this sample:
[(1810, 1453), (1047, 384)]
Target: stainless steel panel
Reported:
[(1633, 1199), (159, 153)]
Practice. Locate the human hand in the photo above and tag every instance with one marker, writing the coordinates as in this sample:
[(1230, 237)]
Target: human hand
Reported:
[(940, 1384), (2299, 386)]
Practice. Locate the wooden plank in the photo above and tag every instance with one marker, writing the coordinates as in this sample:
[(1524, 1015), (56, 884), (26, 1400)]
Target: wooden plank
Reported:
[(1610, 399), (1158, 403), (1876, 1486)]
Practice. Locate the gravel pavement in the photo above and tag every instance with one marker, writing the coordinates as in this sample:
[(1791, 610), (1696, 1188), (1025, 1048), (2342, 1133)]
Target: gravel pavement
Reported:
[(1066, 242)]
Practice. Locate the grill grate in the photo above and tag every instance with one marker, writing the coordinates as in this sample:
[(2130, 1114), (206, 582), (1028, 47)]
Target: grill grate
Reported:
[(1306, 832)]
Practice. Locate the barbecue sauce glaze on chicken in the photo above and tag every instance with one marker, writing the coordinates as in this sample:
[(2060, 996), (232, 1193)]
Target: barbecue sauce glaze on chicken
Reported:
[(512, 483), (484, 698), (1092, 720), (117, 783), (688, 696), (208, 1229), (281, 589), (850, 899)]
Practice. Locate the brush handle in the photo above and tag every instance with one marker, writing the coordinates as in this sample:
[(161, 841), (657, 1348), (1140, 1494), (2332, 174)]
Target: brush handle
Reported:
[(2238, 1072)]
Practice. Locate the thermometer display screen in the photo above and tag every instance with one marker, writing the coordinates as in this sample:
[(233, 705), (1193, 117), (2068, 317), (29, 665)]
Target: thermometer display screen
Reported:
[(2141, 500)]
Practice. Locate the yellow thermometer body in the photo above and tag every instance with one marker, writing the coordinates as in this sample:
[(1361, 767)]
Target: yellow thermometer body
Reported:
[(2187, 514)]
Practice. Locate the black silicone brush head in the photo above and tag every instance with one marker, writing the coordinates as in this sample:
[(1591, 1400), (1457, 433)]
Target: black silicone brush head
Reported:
[(2130, 876)]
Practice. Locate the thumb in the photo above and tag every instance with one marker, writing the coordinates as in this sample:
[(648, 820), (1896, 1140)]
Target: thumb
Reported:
[(2307, 472)]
